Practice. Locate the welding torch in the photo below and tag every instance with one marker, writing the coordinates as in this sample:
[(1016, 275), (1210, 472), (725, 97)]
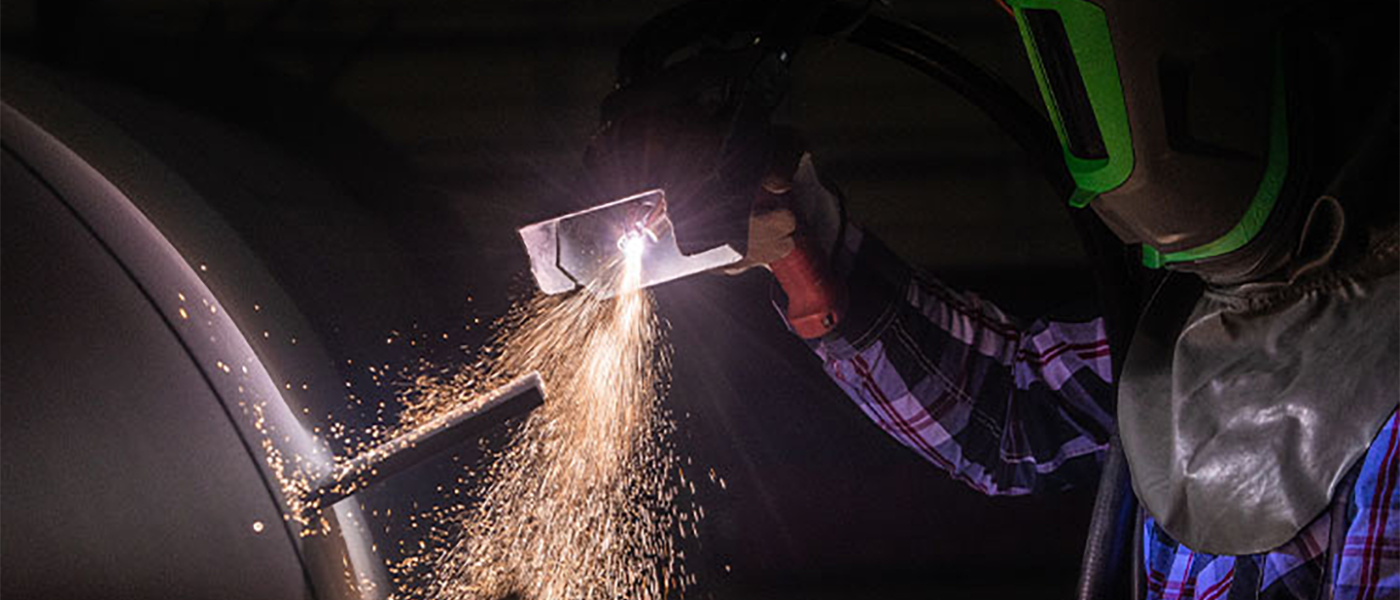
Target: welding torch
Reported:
[(691, 124), (696, 134)]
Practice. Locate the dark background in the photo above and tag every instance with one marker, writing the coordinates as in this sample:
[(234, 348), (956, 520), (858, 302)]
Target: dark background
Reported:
[(464, 120)]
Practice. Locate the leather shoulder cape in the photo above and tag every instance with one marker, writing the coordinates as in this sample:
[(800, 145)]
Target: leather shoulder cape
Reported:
[(1241, 413)]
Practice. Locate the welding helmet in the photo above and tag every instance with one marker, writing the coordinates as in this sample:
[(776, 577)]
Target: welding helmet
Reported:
[(1179, 123)]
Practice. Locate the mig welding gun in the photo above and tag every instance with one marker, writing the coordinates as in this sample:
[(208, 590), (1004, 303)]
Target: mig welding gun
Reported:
[(696, 134)]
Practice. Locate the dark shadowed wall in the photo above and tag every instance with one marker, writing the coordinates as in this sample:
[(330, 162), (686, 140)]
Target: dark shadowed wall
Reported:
[(468, 119)]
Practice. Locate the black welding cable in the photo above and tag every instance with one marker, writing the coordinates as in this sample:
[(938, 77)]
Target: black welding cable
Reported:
[(938, 59)]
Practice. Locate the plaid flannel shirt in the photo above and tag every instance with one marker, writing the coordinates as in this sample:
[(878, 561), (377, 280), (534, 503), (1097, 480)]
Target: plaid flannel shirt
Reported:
[(1014, 408)]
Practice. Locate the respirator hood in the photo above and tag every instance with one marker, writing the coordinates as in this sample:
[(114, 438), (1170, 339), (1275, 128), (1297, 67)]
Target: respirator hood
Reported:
[(1191, 128)]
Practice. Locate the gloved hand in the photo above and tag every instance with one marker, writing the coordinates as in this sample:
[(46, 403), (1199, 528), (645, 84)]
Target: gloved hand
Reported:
[(791, 204), (793, 231)]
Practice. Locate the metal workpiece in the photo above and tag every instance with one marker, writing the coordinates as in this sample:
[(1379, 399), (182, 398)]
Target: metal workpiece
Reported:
[(467, 422), (585, 248)]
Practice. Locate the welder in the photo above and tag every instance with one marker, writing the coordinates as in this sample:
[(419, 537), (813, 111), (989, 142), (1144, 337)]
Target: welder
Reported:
[(1245, 156)]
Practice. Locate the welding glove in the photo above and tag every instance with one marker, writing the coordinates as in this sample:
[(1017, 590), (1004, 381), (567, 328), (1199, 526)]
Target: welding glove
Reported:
[(793, 231), (792, 204)]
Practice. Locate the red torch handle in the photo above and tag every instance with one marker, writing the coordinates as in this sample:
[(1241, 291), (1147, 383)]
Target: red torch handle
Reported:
[(816, 299)]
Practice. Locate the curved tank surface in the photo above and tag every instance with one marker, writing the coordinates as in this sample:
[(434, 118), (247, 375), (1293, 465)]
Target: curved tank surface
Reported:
[(174, 298)]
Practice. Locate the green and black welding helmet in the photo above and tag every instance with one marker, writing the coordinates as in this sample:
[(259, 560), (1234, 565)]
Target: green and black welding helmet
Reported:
[(1174, 119)]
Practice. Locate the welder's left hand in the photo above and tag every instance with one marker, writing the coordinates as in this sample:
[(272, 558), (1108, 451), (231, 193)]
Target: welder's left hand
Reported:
[(792, 204), (792, 232)]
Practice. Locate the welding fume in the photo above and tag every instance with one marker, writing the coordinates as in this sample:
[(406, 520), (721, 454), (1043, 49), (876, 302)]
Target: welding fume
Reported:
[(1230, 171)]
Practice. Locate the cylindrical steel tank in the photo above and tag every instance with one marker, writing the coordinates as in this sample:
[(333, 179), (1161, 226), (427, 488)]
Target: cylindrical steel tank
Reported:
[(179, 302)]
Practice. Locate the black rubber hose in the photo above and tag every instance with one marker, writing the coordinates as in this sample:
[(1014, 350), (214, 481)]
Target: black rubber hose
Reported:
[(1108, 546), (941, 61)]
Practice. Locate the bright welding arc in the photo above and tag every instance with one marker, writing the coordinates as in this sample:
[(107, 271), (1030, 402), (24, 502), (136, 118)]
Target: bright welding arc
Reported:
[(632, 244)]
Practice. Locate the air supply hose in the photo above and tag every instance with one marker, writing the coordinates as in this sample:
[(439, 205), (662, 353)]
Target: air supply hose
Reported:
[(938, 59)]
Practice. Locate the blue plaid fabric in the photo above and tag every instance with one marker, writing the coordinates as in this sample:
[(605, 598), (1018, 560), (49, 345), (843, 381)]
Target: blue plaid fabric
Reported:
[(1012, 407)]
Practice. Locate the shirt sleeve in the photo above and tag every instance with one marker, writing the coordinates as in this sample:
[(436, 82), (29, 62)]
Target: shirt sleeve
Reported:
[(1006, 407), (1369, 566)]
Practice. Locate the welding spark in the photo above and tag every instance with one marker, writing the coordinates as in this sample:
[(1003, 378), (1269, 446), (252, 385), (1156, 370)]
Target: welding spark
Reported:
[(580, 504), (583, 501)]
